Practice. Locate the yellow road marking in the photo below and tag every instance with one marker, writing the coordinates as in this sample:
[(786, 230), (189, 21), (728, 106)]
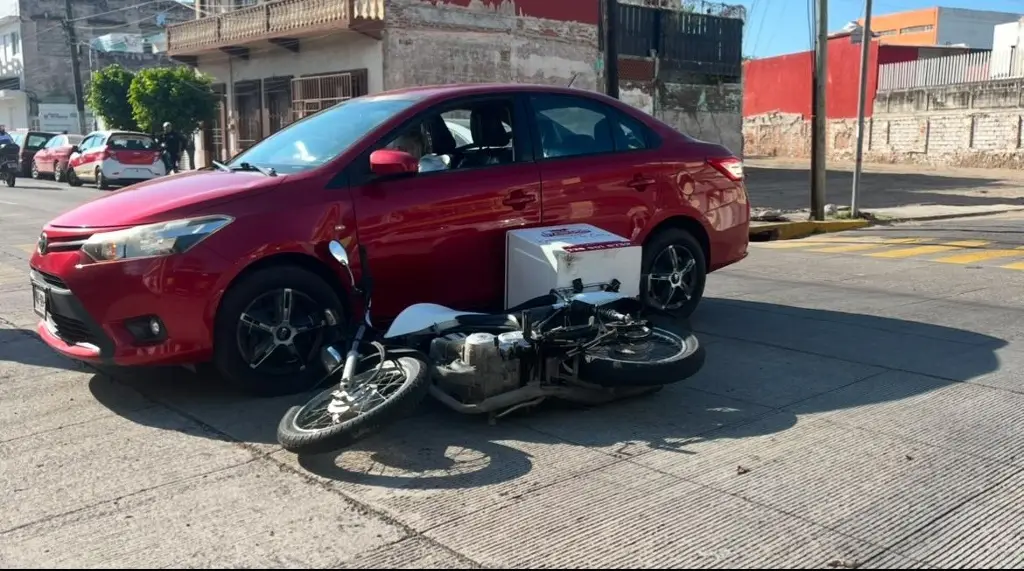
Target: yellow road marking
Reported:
[(969, 243), (979, 256), (911, 252), (1014, 266)]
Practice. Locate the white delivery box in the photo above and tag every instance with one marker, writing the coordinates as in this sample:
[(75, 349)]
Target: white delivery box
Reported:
[(538, 260)]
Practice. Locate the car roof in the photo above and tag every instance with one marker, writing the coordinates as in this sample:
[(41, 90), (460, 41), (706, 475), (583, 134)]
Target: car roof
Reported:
[(118, 132), (464, 89)]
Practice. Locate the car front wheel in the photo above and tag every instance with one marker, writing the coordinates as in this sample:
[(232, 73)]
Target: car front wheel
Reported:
[(270, 329), (58, 172), (674, 272), (35, 170)]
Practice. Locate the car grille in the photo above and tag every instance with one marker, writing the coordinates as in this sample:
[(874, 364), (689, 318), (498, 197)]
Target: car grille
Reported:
[(52, 280), (71, 330)]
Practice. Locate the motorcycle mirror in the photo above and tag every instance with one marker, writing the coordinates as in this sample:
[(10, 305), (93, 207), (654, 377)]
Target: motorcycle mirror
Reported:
[(338, 252)]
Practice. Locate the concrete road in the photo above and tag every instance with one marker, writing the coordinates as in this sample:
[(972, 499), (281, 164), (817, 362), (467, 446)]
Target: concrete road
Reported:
[(855, 411), (785, 184)]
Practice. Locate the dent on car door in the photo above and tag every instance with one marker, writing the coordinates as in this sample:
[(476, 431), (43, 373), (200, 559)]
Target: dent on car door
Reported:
[(439, 235), (598, 165)]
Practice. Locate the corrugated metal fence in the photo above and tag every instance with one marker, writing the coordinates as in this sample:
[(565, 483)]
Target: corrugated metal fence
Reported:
[(951, 70)]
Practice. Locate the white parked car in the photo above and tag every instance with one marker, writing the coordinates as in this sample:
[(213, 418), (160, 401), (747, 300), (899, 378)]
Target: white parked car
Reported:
[(110, 158)]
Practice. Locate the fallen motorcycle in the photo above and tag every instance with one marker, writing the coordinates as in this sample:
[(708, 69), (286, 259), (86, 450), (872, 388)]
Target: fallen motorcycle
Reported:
[(585, 343)]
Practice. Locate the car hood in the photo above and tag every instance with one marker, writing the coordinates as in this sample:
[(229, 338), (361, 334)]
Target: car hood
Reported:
[(164, 198)]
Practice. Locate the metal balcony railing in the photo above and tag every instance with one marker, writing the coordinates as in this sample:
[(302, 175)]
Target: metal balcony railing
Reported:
[(273, 18)]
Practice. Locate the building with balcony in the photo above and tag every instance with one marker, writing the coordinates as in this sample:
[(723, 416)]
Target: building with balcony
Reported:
[(275, 61)]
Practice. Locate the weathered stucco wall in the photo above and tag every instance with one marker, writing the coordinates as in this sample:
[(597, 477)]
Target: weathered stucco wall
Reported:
[(708, 112), (976, 125), (472, 41)]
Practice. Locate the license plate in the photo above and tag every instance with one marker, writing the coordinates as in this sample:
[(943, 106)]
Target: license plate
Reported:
[(39, 300)]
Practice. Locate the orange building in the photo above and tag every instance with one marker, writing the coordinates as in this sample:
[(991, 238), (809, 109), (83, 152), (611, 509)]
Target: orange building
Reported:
[(939, 26)]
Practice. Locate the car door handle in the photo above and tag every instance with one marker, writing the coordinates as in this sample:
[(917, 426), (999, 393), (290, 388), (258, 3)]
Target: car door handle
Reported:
[(640, 182), (518, 199)]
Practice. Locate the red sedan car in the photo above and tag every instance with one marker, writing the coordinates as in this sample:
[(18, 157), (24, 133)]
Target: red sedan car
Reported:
[(52, 159), (230, 265)]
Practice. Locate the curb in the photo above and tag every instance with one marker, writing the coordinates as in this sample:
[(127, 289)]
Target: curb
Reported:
[(767, 231), (940, 216)]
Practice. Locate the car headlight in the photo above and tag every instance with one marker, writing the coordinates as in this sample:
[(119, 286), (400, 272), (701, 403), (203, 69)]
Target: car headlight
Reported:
[(150, 240)]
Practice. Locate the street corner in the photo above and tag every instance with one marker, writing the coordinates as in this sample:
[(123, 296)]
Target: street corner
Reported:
[(795, 229)]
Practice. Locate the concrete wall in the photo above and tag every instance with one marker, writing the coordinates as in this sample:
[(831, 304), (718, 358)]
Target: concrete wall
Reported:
[(334, 53), (456, 42), (978, 125), (707, 112)]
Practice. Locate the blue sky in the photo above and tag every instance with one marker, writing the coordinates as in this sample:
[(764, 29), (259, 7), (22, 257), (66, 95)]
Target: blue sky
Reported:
[(781, 26)]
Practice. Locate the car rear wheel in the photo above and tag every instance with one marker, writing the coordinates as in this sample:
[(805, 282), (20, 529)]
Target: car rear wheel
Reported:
[(35, 170), (270, 328), (101, 181), (674, 272)]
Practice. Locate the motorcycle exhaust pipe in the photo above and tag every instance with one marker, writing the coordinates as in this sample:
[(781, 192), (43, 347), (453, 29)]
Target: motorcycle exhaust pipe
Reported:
[(497, 402)]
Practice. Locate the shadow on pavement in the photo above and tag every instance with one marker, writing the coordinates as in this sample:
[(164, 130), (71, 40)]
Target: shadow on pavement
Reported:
[(767, 365), (23, 346), (789, 189)]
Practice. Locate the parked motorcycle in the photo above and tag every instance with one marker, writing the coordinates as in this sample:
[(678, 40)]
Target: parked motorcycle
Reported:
[(586, 343), (10, 166)]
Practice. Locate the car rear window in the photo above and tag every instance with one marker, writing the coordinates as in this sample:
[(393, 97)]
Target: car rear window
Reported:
[(37, 141), (131, 143)]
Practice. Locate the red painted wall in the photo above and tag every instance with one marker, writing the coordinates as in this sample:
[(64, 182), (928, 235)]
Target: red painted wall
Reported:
[(585, 11), (783, 83)]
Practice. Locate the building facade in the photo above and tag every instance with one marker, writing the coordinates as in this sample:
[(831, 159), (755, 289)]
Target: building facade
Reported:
[(36, 79), (938, 26)]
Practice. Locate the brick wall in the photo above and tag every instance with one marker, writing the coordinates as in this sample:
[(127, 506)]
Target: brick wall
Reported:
[(975, 125)]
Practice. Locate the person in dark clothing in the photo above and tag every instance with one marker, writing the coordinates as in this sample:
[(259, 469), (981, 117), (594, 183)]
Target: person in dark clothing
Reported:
[(173, 143)]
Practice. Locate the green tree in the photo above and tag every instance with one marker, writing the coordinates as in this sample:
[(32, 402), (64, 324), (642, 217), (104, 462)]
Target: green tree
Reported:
[(175, 94), (108, 97)]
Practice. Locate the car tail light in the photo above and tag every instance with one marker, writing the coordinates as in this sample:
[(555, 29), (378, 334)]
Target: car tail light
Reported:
[(106, 154), (731, 167), (156, 157)]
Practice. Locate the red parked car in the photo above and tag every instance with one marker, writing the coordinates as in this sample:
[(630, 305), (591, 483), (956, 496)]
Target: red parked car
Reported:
[(230, 265), (52, 159)]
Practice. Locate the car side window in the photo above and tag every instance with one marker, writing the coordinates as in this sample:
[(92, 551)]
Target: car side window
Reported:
[(472, 135), (55, 142), (631, 134), (87, 143), (571, 126), (37, 141)]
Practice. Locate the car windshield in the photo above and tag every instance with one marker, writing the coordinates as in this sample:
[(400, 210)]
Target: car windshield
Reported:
[(315, 140)]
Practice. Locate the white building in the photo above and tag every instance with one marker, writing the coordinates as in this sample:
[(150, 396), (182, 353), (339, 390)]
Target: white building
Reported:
[(14, 103)]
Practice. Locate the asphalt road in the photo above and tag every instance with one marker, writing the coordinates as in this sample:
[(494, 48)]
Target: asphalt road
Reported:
[(855, 411)]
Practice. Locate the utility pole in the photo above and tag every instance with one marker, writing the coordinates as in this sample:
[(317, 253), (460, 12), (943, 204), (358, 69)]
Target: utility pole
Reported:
[(611, 47), (818, 118), (865, 50), (76, 67)]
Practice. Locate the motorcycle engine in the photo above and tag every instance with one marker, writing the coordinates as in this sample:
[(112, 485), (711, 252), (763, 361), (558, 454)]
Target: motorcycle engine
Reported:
[(474, 367)]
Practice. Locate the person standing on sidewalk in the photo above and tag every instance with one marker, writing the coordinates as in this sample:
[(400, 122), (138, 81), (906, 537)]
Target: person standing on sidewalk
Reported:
[(172, 143)]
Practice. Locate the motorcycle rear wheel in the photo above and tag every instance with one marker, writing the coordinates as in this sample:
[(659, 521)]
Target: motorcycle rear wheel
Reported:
[(311, 429), (666, 357)]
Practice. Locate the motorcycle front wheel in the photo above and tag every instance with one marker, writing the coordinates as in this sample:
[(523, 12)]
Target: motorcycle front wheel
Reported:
[(662, 358), (333, 420)]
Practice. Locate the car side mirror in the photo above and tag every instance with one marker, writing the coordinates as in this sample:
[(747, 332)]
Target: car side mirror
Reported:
[(338, 252), (74, 148), (388, 162)]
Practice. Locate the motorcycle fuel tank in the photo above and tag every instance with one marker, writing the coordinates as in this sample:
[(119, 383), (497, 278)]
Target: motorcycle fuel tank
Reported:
[(538, 260)]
